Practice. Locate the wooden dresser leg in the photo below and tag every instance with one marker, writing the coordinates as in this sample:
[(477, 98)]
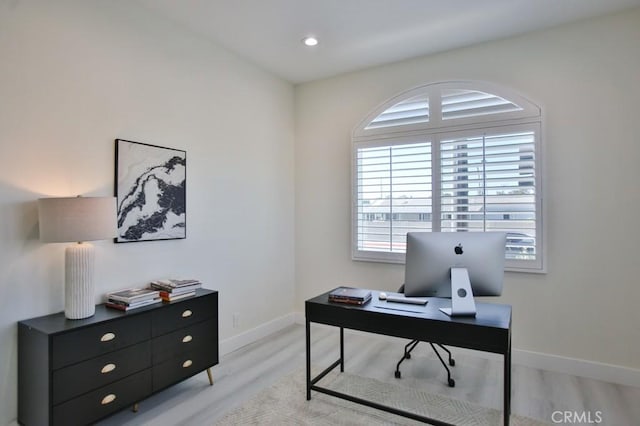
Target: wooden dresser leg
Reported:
[(210, 376), (135, 407)]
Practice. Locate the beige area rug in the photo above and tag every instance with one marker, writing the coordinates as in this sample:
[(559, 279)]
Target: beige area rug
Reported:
[(285, 403)]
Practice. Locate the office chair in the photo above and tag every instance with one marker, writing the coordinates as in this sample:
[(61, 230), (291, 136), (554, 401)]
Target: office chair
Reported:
[(411, 346)]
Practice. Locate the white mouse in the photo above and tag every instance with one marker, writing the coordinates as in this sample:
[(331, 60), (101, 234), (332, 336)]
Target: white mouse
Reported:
[(382, 295)]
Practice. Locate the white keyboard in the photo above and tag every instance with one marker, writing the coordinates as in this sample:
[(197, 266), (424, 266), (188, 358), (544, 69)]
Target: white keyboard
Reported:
[(410, 300)]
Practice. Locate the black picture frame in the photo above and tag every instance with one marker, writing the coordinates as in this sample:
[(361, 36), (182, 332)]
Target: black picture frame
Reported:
[(151, 192)]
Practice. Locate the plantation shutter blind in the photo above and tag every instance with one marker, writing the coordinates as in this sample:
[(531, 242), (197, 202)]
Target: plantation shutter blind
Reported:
[(394, 195), (411, 111), (458, 103), (488, 184), (455, 156)]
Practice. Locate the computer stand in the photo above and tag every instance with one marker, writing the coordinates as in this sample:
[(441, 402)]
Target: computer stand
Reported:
[(462, 303)]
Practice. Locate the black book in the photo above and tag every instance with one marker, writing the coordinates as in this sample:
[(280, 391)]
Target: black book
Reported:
[(356, 296)]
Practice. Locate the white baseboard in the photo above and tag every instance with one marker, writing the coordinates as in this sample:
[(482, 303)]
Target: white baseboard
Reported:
[(257, 333), (559, 364), (299, 318), (578, 367)]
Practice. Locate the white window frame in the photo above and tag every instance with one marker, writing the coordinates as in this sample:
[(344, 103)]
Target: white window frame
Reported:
[(528, 118)]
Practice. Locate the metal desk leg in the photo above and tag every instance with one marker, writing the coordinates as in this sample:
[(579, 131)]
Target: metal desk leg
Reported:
[(341, 350), (308, 360), (507, 384)]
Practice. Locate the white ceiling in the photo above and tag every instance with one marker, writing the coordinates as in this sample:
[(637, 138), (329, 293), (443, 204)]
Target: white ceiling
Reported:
[(356, 34)]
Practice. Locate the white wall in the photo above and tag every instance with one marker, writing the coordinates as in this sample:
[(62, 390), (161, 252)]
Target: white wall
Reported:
[(586, 77), (75, 75)]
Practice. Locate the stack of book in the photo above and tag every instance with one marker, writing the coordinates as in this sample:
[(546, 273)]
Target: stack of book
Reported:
[(126, 300), (171, 290), (351, 295)]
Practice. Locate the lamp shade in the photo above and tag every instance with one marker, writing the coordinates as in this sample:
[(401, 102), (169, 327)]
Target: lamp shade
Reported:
[(77, 219)]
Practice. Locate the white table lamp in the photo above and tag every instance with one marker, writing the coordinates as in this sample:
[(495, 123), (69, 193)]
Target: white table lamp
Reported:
[(78, 219)]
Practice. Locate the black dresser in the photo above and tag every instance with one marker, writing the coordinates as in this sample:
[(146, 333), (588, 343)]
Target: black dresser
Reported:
[(75, 372)]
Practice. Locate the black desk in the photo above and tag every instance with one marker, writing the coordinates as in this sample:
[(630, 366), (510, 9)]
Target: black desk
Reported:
[(489, 331)]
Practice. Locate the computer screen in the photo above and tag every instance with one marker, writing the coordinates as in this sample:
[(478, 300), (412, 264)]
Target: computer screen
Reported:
[(431, 256)]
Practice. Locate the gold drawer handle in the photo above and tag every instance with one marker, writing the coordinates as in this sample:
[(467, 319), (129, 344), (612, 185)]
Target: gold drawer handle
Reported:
[(108, 368), (108, 399), (187, 314), (187, 363), (187, 339), (107, 336)]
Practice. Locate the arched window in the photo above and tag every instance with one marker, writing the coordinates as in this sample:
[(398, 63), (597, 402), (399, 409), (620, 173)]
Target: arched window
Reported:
[(452, 157)]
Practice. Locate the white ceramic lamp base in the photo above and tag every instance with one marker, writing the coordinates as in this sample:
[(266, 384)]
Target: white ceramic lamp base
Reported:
[(79, 286)]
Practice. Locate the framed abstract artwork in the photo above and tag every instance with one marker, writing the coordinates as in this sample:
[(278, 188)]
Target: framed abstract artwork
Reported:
[(150, 188)]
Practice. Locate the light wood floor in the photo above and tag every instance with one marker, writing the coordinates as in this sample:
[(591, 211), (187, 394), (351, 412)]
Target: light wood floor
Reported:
[(246, 371)]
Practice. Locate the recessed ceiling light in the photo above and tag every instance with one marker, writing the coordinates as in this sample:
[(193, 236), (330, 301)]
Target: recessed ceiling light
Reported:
[(310, 41)]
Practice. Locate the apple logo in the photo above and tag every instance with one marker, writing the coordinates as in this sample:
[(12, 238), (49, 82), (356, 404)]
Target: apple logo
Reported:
[(458, 249)]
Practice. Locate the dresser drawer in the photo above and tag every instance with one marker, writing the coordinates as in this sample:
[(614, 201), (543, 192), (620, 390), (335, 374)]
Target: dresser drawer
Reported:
[(88, 342), (181, 314), (97, 404), (184, 365), (97, 372), (183, 340)]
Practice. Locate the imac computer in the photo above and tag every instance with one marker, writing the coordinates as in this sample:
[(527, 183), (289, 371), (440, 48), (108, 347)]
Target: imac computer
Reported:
[(459, 265)]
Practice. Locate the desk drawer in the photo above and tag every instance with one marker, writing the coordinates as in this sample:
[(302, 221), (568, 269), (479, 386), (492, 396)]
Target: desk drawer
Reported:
[(85, 343), (184, 313), (185, 365), (97, 372), (184, 340), (97, 404)]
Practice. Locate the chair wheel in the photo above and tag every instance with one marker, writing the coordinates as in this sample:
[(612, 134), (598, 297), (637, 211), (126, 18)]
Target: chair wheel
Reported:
[(452, 362), (397, 374), (407, 356), (452, 383)]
